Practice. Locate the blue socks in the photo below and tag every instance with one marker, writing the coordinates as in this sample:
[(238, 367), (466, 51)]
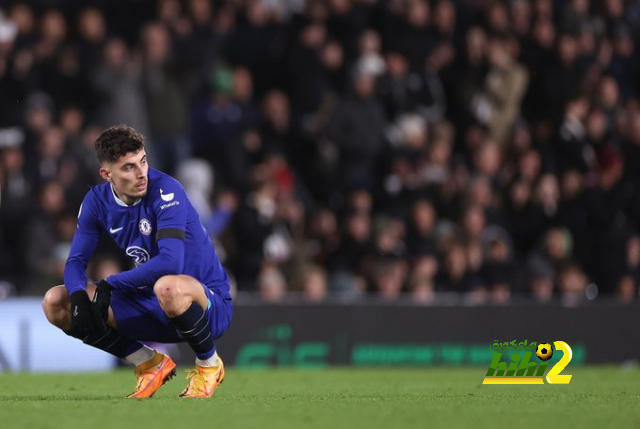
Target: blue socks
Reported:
[(193, 326), (112, 342)]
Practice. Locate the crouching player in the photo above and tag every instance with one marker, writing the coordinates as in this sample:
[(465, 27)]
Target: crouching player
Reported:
[(178, 290)]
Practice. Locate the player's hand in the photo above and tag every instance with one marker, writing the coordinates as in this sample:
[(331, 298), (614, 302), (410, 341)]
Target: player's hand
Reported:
[(83, 320), (102, 299)]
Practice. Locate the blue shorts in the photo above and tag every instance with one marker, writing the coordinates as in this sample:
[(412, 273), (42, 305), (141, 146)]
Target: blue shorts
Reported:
[(140, 317)]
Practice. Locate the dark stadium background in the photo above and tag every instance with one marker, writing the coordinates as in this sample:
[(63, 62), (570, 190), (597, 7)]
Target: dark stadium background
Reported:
[(373, 154)]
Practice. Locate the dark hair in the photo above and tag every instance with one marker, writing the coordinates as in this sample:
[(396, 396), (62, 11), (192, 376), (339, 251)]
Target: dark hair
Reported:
[(118, 141)]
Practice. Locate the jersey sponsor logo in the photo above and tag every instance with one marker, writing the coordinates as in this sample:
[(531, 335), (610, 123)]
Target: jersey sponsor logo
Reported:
[(145, 226), (114, 230), (171, 204), (166, 197), (139, 255)]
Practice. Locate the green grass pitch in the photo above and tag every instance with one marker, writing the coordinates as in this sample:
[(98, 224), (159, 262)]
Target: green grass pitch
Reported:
[(597, 397)]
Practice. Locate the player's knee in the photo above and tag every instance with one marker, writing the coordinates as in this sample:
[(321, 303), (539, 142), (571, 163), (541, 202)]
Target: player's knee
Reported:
[(55, 305), (167, 288)]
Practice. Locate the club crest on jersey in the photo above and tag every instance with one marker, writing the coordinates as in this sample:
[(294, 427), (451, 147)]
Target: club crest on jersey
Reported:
[(166, 197), (145, 226), (139, 255)]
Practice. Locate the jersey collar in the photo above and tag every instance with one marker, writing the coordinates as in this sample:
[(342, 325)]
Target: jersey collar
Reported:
[(119, 201)]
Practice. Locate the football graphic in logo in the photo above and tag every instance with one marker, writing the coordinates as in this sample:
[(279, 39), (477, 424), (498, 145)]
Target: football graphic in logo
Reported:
[(544, 351)]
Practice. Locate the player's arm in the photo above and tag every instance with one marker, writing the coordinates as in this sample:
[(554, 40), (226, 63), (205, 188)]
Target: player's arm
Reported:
[(84, 320), (171, 213), (84, 243), (170, 260)]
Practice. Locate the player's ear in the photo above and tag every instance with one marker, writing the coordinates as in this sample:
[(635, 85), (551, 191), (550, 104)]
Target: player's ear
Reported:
[(104, 173)]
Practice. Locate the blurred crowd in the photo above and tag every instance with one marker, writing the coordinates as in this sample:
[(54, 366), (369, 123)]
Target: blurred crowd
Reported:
[(468, 151)]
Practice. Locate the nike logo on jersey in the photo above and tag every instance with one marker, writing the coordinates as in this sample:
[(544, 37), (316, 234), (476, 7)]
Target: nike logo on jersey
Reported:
[(167, 197), (114, 230)]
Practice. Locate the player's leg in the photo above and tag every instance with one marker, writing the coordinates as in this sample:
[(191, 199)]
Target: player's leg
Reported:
[(189, 308), (183, 299), (153, 369), (57, 307)]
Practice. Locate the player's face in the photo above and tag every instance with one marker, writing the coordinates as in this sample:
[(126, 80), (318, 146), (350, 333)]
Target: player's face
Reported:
[(128, 176)]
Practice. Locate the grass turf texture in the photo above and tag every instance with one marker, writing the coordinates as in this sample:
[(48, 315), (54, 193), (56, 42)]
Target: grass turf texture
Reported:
[(597, 397)]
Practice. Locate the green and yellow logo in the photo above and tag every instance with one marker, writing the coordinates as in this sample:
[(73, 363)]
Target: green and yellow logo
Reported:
[(522, 370)]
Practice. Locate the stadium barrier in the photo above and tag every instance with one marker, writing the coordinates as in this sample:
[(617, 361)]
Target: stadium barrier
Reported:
[(312, 336), (29, 343), (369, 335)]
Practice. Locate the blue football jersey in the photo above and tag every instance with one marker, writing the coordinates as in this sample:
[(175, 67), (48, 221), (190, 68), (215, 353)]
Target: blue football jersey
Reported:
[(163, 222)]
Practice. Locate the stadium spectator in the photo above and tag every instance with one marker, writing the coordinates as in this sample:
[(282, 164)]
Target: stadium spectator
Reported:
[(627, 289), (43, 238), (503, 89), (312, 282), (572, 284), (421, 280), (165, 88), (118, 82), (271, 284)]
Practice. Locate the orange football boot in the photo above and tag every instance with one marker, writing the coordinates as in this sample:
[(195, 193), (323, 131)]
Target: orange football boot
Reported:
[(204, 381), (153, 374)]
